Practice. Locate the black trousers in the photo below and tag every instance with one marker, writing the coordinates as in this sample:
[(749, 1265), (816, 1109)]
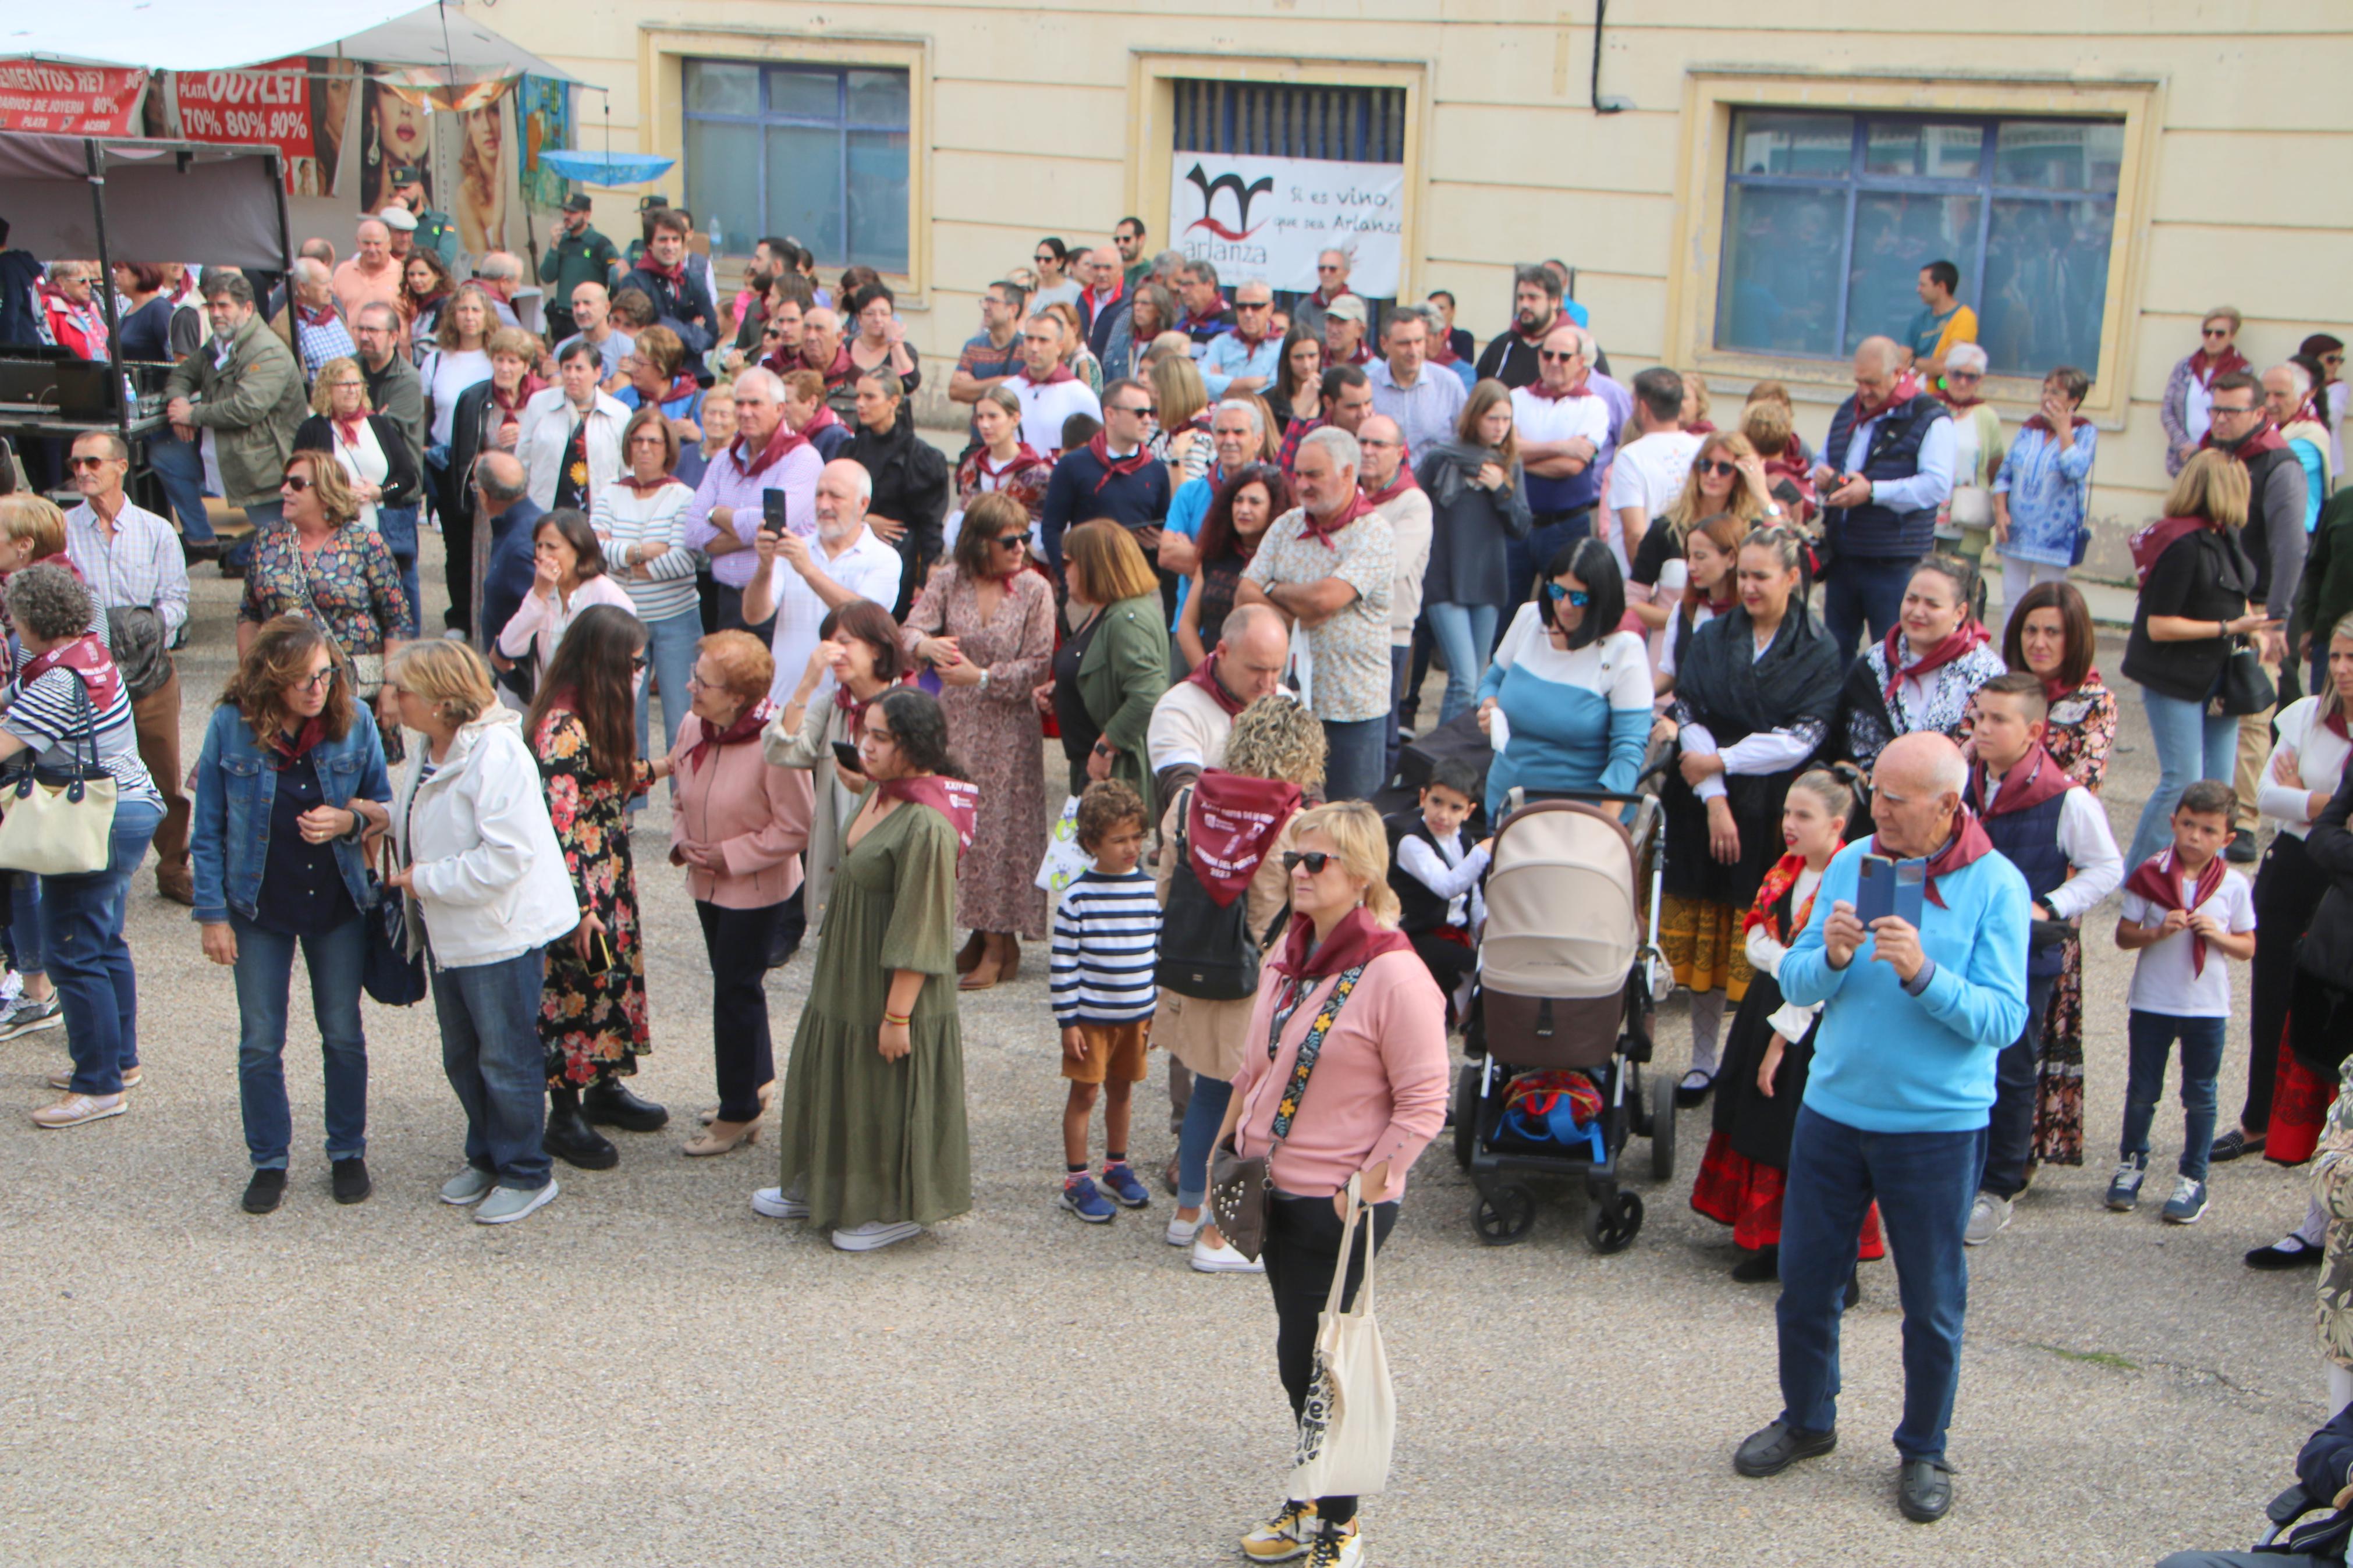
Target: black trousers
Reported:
[(730, 600), (737, 942), (2016, 1082), (1302, 1248), (2288, 888)]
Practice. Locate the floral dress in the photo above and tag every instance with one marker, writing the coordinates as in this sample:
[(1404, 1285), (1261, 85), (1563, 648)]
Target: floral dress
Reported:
[(592, 1015), (350, 586), (2083, 729)]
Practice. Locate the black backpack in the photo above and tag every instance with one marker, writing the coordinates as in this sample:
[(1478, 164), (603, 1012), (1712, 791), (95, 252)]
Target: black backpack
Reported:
[(1205, 953)]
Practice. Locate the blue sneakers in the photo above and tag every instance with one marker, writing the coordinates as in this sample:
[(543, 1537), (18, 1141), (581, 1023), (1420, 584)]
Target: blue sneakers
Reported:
[(1125, 1187), (1079, 1196), (2188, 1203)]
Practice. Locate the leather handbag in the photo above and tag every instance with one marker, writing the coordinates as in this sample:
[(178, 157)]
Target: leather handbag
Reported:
[(1240, 1185), (388, 973), (2246, 686), (61, 822)]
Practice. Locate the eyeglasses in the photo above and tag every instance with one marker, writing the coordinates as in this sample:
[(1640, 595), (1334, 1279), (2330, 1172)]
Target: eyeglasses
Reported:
[(318, 680), (1010, 541), (1716, 466), (1253, 304), (1043, 259), (772, 332), (1551, 358), (294, 482), (91, 463), (1578, 598), (2214, 331), (1314, 859), (2218, 409), (1130, 408)]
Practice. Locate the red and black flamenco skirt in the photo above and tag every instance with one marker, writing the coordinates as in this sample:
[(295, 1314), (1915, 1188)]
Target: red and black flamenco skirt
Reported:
[(2311, 1056)]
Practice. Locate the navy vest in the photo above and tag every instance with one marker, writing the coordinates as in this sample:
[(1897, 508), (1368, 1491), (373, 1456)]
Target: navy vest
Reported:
[(1421, 909), (2029, 840), (2255, 538), (1873, 531)]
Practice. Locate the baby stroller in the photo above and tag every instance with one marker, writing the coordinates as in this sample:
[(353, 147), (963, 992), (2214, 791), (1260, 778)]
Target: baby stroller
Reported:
[(1569, 972)]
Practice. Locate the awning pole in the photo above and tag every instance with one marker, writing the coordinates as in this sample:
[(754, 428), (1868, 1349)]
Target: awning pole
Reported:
[(95, 161)]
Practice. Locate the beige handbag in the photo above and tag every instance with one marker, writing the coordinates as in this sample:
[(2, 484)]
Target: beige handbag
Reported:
[(1349, 1423), (61, 824)]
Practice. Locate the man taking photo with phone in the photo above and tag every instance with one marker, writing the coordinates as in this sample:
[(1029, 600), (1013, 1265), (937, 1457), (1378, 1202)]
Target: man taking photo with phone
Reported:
[(1913, 1018)]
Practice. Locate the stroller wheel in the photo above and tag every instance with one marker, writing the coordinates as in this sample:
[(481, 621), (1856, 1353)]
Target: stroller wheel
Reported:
[(1466, 1114), (1612, 1221), (1662, 1130), (1504, 1218)]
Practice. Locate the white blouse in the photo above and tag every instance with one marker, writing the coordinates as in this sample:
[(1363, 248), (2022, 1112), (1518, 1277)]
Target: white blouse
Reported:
[(2320, 756), (364, 462)]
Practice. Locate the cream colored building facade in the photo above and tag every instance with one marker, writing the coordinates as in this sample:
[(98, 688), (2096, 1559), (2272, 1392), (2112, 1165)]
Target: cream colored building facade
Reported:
[(2215, 142)]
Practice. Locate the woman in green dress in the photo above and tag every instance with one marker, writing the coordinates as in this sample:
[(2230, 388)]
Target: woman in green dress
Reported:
[(874, 1140)]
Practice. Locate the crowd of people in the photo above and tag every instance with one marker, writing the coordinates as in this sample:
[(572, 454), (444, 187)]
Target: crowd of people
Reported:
[(1209, 551)]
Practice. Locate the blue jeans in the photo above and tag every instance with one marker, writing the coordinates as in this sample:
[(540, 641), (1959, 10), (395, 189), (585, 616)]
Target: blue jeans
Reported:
[(1466, 635), (1860, 593), (2151, 1037), (25, 923), (265, 972), (491, 1051), (1204, 1114), (1925, 1184), (670, 654), (2017, 1084), (398, 526), (81, 931), (2191, 744), (1353, 752), (181, 469)]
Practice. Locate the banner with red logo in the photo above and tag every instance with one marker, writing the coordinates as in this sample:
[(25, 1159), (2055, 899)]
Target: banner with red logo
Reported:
[(69, 100), (277, 104), (1267, 219)]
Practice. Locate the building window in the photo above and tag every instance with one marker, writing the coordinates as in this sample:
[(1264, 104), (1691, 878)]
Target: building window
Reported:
[(814, 152), (1829, 219)]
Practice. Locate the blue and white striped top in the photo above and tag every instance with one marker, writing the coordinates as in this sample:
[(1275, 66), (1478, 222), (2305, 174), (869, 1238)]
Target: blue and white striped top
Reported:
[(1106, 946), (50, 719)]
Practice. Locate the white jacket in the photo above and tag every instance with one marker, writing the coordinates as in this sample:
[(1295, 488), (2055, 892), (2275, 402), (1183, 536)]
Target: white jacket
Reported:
[(489, 881), (546, 425)]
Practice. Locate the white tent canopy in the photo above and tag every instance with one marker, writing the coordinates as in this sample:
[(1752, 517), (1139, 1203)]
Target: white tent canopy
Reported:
[(164, 201), (203, 35)]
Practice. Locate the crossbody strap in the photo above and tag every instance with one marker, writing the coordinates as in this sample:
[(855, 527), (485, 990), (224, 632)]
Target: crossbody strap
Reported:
[(1309, 1048)]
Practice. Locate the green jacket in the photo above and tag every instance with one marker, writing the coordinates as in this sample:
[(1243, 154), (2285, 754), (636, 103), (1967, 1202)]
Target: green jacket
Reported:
[(2324, 595), (437, 233), (1122, 676), (574, 259), (253, 405)]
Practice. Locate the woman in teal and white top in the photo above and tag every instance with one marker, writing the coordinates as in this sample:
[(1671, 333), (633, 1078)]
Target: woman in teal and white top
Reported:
[(1572, 692)]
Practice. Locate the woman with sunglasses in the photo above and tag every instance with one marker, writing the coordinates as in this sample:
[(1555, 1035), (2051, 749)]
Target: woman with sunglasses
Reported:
[(1055, 285), (1479, 503), (326, 568), (2186, 409), (1726, 477), (1575, 692), (291, 775), (1966, 521), (986, 626), (592, 1011)]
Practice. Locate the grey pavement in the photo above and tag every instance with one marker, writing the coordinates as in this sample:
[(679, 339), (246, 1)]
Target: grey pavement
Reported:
[(645, 1373)]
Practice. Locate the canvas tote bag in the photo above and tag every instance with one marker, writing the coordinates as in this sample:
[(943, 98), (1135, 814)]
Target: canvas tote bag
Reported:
[(1349, 1424)]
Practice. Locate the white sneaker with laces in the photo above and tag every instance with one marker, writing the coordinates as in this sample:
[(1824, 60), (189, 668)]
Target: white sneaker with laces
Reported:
[(1988, 1217), (875, 1235), (1222, 1260), (775, 1203), (1181, 1232)]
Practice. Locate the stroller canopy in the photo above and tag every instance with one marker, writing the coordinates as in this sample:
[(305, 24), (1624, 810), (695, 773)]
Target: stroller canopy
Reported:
[(1562, 915)]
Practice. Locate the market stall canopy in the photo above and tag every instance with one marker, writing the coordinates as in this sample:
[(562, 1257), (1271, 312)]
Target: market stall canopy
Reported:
[(607, 168), (165, 201), (208, 37)]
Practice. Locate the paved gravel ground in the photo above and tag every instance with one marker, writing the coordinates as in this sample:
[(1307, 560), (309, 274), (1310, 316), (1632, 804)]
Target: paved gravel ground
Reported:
[(647, 1372)]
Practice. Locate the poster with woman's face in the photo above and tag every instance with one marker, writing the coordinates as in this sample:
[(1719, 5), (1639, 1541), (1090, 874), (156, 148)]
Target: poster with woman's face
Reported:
[(485, 176), (393, 132), (331, 80)]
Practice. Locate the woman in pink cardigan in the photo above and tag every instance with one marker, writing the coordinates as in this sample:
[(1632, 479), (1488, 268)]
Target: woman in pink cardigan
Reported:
[(570, 577), (738, 826), (1375, 1099)]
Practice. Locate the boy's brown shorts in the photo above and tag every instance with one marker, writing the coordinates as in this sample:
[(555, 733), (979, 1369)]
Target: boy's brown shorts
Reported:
[(1113, 1051)]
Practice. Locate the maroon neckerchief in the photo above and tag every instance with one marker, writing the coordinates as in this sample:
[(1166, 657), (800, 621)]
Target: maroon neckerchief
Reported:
[(2053, 688), (1905, 389), (1397, 487), (823, 419), (285, 753), (525, 389), (682, 385), (1187, 323), (2265, 439), (1584, 388), (1327, 303), (1944, 394), (1204, 676), (2203, 368), (2035, 778), (1442, 350), (347, 431), (675, 275), (87, 657), (1704, 428), (1229, 825), (323, 316), (2158, 882), (952, 798), (2036, 422), (1054, 377), (842, 368), (1968, 635), (1116, 468), (636, 486), (1024, 455), (1356, 940), (748, 723), (1323, 534), (2335, 724), (1967, 845), (781, 442), (2160, 536), (856, 707), (1363, 355)]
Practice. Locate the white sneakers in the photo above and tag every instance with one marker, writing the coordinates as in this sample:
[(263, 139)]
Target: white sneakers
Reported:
[(875, 1235), (775, 1203), (1181, 1232), (1222, 1260)]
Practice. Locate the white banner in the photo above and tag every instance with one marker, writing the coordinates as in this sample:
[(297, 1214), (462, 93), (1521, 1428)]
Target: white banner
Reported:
[(1266, 218)]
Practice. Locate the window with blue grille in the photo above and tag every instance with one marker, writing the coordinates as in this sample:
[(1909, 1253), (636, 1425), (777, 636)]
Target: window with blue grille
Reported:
[(816, 153), (1828, 218)]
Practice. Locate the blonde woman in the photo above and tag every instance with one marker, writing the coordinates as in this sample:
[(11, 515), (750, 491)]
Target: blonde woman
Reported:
[(1083, 364), (1726, 477), (1378, 1098), (1181, 402), (374, 458)]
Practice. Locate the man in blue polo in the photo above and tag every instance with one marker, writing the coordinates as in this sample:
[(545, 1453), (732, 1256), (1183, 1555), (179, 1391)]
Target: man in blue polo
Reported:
[(1896, 1108)]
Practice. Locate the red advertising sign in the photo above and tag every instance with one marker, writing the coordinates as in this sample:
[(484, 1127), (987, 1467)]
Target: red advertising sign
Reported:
[(69, 100), (267, 106)]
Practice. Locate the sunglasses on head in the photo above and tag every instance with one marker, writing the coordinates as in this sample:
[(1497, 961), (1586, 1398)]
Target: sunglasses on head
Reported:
[(1314, 859), (1578, 598), (1716, 466)]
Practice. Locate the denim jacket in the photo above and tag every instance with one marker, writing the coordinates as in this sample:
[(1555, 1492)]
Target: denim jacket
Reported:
[(229, 837)]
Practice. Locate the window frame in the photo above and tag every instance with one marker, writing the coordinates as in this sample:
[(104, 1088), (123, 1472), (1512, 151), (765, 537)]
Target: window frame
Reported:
[(842, 125), (1712, 102)]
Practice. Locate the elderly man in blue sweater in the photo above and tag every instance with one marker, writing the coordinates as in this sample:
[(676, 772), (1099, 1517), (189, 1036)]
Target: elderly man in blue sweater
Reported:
[(1896, 1108)]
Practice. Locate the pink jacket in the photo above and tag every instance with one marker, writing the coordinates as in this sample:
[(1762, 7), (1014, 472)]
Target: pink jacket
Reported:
[(756, 815), (1378, 1090), (541, 622)]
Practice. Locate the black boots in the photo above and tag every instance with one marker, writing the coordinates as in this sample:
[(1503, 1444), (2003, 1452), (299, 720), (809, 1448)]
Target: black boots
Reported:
[(570, 1139), (609, 1103)]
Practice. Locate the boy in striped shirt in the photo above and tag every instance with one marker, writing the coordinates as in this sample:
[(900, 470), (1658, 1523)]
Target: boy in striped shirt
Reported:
[(1106, 946)]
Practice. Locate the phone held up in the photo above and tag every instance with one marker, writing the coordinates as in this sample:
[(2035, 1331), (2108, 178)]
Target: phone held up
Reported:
[(1886, 887), (772, 511), (845, 755)]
